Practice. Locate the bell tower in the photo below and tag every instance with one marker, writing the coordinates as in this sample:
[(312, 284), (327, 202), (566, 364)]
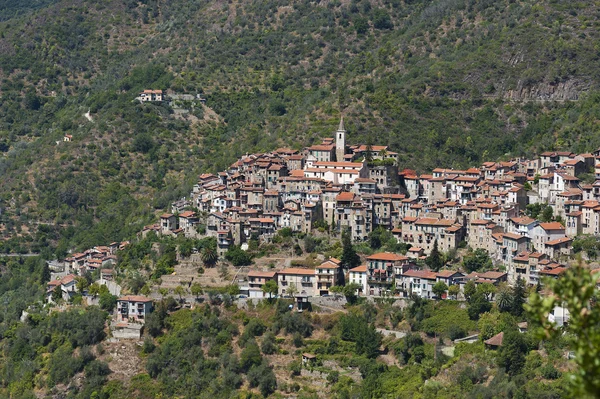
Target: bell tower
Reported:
[(340, 142)]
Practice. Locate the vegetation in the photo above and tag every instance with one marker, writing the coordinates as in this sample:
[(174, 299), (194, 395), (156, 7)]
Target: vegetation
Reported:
[(417, 75)]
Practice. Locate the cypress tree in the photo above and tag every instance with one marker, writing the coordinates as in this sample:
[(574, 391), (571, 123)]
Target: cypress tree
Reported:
[(434, 261)]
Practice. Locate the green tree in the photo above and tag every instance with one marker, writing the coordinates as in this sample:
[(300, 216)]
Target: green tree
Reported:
[(477, 260), (250, 356), (349, 291), (349, 257), (547, 214), (196, 290), (478, 304), (519, 294), (238, 257), (487, 289), (291, 290), (209, 256), (94, 290), (470, 289), (512, 353), (270, 287), (268, 345), (434, 260), (577, 291), (504, 299), (180, 291), (439, 289), (81, 284), (107, 301), (454, 290)]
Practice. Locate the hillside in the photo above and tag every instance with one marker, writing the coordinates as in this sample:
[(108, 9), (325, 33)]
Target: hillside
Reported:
[(445, 83)]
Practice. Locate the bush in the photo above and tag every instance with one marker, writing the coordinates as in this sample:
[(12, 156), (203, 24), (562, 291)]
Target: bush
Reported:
[(456, 332), (550, 372), (295, 367), (268, 346)]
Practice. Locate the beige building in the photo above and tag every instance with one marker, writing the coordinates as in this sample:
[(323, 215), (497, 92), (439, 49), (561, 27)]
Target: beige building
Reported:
[(304, 281), (256, 281), (327, 276)]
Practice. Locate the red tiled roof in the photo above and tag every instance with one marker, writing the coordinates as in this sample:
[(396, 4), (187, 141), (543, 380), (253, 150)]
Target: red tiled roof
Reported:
[(426, 274), (496, 340), (359, 269), (297, 270), (135, 298), (257, 273), (552, 226), (387, 256)]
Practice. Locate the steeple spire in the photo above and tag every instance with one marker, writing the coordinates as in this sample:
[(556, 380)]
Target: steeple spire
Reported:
[(340, 141), (341, 127)]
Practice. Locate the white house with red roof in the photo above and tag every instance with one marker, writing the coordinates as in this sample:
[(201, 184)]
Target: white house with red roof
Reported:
[(358, 275)]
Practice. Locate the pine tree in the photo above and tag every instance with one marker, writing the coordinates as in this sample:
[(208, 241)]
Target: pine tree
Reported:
[(349, 257), (518, 297), (434, 261)]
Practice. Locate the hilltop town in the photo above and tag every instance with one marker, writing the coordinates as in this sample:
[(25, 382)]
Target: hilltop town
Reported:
[(359, 188)]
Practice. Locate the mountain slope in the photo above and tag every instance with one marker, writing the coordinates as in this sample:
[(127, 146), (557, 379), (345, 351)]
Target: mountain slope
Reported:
[(445, 83)]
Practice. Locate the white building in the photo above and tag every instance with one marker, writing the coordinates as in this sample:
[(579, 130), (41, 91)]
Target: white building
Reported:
[(358, 275)]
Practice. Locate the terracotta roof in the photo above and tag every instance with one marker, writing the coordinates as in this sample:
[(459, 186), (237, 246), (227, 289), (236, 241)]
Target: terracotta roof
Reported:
[(524, 220), (492, 275), (387, 256), (552, 226), (345, 196), (328, 265), (135, 298), (359, 269), (297, 270), (513, 236), (187, 214), (426, 274), (496, 340), (447, 273), (558, 241), (257, 273)]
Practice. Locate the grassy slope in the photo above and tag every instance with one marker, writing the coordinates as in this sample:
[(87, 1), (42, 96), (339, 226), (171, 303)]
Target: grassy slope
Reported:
[(445, 83)]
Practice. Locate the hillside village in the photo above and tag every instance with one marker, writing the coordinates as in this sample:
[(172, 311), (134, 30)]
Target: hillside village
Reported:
[(359, 188)]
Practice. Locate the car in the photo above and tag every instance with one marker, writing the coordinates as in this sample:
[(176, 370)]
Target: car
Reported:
[(326, 295), (242, 296)]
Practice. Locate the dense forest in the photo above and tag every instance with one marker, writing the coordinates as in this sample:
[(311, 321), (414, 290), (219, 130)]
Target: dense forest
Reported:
[(445, 83)]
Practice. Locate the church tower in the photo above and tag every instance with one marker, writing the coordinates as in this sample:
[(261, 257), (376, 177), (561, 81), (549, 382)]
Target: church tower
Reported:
[(340, 142)]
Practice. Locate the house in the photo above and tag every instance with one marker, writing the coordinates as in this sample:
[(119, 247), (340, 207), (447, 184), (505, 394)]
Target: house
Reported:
[(327, 276), (496, 341), (256, 281), (106, 275), (67, 285), (382, 269), (547, 232), (526, 265), (303, 280), (134, 308), (187, 220), (309, 359), (358, 275), (67, 138), (168, 223), (419, 282), (559, 315), (449, 277), (151, 95)]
